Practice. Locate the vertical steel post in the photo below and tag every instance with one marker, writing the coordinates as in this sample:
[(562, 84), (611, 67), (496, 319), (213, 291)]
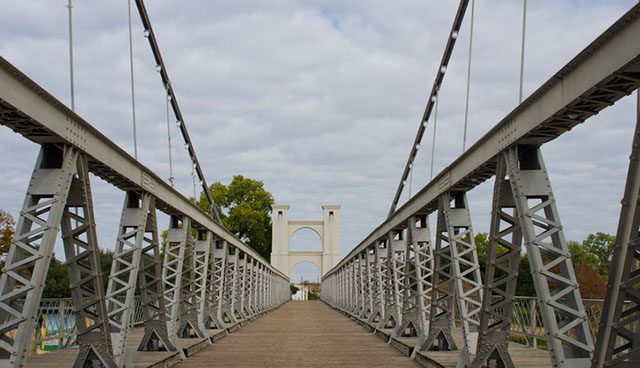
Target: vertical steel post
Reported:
[(417, 282), (125, 267), (501, 275), (618, 342), (380, 282), (466, 270), (201, 255), (442, 293), (85, 273), (395, 280), (151, 283), (563, 314)]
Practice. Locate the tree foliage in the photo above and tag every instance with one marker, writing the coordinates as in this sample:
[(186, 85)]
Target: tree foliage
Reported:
[(592, 285), (245, 210), (7, 224), (600, 245)]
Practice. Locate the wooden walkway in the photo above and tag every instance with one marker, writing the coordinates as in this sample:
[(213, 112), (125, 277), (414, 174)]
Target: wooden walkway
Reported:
[(300, 334)]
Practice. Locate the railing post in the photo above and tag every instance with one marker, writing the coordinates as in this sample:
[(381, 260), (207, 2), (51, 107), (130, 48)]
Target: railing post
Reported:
[(534, 323)]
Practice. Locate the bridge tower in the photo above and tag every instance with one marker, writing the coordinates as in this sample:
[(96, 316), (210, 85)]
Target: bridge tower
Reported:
[(284, 259)]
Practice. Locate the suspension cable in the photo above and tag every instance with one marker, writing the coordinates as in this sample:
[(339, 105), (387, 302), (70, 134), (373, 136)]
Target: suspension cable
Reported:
[(524, 28), (71, 81), (453, 35), (435, 125), (161, 67), (171, 178), (410, 178), (133, 91), (466, 105)]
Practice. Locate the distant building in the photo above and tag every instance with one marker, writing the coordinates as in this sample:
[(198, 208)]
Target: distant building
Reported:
[(304, 289)]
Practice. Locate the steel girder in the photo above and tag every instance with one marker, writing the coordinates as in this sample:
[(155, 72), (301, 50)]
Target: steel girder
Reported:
[(417, 283), (59, 194), (568, 98)]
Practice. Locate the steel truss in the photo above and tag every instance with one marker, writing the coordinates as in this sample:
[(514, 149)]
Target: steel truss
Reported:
[(618, 343), (394, 283), (465, 267), (215, 297), (201, 255), (417, 283), (59, 195), (137, 235), (380, 274), (229, 313), (241, 281), (501, 275), (154, 313), (563, 315), (369, 277)]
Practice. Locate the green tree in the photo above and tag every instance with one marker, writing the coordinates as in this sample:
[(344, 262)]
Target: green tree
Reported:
[(525, 285), (482, 247), (580, 255), (7, 224), (245, 210), (600, 245), (57, 283)]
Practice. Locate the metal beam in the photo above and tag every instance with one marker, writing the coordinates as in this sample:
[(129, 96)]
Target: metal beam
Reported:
[(604, 72), (32, 112)]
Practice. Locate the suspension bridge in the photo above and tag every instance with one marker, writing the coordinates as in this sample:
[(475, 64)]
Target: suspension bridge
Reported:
[(209, 299)]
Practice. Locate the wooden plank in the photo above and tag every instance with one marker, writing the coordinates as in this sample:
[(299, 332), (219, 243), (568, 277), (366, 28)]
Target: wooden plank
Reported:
[(300, 334), (141, 359), (521, 355)]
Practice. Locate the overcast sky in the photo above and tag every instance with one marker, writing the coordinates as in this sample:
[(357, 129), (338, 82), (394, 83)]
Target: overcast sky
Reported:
[(318, 99)]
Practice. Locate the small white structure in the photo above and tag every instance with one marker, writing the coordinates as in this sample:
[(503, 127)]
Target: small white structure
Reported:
[(284, 259), (301, 294)]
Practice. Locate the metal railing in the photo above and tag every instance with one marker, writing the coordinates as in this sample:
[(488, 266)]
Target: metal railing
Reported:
[(56, 324)]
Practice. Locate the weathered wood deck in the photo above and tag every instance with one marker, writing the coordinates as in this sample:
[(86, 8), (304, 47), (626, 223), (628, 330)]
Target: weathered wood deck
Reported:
[(300, 334), (141, 359)]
